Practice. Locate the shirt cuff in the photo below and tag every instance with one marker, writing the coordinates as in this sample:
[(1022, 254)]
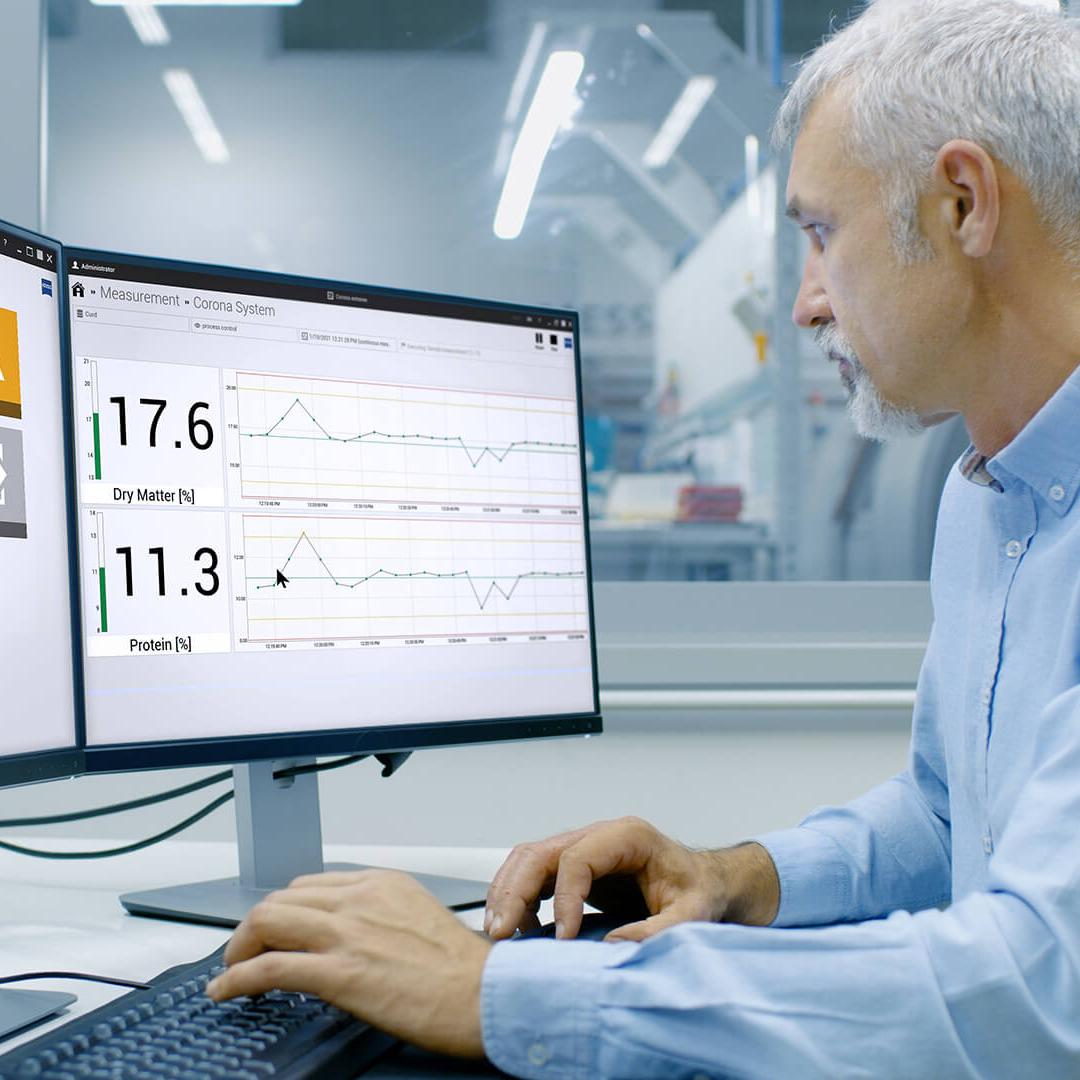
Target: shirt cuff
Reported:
[(540, 1006), (815, 885)]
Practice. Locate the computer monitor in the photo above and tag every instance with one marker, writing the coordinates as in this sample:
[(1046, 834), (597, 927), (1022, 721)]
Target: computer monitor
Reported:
[(38, 729), (317, 518)]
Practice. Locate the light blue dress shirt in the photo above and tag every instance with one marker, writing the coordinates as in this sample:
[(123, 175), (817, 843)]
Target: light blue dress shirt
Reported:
[(986, 819)]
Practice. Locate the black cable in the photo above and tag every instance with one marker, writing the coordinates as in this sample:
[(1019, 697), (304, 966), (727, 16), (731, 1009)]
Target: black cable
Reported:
[(118, 808), (74, 975), (166, 796), (316, 767), (127, 849)]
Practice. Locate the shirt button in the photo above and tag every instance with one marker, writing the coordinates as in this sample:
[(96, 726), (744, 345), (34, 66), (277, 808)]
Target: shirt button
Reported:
[(988, 845), (1013, 549), (1057, 493), (538, 1054)]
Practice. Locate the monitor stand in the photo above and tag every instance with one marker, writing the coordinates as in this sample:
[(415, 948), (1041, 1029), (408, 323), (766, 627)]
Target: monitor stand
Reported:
[(21, 1009), (279, 835)]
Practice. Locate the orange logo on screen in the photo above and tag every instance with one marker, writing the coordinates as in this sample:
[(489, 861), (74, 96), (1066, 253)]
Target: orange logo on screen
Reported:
[(10, 395)]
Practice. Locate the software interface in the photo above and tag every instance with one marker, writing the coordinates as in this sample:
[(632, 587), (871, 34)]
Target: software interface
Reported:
[(306, 509), (35, 619)]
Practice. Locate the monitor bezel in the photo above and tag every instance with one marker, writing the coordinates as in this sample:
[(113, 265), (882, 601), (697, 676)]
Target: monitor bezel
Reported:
[(56, 763), (125, 757)]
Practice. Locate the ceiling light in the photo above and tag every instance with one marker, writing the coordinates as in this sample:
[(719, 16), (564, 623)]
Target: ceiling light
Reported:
[(752, 151), (197, 3), (679, 121), (147, 23), (196, 115), (550, 108)]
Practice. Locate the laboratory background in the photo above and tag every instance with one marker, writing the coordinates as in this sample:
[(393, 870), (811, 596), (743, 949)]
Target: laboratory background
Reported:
[(760, 570)]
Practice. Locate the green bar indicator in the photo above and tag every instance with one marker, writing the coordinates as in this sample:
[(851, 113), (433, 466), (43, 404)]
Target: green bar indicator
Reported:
[(97, 446), (103, 602)]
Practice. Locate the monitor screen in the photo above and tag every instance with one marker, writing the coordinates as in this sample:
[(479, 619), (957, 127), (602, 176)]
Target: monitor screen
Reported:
[(322, 516), (37, 714)]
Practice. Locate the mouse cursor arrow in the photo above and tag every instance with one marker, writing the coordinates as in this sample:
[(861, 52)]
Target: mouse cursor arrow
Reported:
[(282, 580)]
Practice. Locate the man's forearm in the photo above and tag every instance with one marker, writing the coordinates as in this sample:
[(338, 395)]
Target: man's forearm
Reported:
[(751, 880)]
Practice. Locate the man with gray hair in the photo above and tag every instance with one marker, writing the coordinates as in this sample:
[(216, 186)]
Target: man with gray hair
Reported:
[(930, 928)]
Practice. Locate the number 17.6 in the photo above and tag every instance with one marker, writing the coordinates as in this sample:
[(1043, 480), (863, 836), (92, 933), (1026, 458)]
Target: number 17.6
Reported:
[(200, 431)]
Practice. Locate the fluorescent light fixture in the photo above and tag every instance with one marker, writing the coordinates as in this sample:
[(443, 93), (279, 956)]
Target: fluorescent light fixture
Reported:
[(199, 3), (683, 113), (196, 115), (147, 23), (550, 108), (752, 150)]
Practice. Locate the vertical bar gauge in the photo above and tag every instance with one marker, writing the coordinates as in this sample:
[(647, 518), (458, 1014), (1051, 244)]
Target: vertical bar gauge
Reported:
[(97, 419), (102, 595)]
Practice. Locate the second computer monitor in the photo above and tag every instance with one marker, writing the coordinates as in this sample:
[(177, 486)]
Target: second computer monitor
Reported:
[(319, 518), (38, 715)]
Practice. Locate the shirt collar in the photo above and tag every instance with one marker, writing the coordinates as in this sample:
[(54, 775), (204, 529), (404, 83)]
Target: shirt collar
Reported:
[(1045, 454)]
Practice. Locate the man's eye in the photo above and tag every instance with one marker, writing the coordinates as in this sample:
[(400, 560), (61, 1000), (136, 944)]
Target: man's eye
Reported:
[(821, 232)]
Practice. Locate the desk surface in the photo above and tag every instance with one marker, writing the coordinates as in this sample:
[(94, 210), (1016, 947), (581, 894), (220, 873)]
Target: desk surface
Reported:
[(66, 914)]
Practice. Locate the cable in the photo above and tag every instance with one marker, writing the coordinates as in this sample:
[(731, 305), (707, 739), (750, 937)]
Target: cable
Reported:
[(74, 975), (166, 796), (157, 838), (127, 849), (118, 808), (326, 766)]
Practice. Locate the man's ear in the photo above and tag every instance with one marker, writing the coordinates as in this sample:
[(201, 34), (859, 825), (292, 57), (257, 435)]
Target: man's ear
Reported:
[(965, 189)]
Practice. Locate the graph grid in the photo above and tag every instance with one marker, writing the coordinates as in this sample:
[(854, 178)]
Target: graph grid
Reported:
[(315, 578), (340, 441)]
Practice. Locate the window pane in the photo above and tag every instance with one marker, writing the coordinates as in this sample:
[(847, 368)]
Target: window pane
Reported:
[(375, 143)]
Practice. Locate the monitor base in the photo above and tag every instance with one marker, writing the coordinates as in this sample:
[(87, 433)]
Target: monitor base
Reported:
[(226, 901), (22, 1009)]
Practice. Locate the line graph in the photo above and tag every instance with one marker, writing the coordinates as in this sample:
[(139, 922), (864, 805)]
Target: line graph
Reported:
[(344, 441), (417, 439), (281, 581), (333, 578)]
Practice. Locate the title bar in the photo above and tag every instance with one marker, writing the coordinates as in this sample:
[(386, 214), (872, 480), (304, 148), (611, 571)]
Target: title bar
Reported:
[(101, 265)]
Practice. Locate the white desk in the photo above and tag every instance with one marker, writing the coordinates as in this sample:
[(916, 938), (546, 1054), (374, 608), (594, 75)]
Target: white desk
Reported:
[(66, 915)]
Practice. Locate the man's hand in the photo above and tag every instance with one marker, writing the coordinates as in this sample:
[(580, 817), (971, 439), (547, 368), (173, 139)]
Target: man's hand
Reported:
[(373, 942), (668, 883)]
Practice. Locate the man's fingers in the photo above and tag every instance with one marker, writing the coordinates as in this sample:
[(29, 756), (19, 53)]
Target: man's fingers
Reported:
[(594, 856), (647, 928), (271, 926), (520, 882), (306, 972)]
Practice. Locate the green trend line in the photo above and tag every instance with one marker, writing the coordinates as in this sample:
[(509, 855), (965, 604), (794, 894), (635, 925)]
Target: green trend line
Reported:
[(494, 587), (458, 441)]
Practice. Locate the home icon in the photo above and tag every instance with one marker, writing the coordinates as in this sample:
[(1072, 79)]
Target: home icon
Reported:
[(78, 290)]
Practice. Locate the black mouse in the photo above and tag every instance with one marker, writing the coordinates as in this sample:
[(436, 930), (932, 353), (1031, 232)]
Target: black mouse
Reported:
[(595, 926)]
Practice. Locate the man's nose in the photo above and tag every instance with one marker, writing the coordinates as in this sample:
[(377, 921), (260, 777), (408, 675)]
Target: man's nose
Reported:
[(812, 306)]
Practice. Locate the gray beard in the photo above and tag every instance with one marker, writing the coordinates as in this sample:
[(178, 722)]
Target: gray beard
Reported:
[(873, 416)]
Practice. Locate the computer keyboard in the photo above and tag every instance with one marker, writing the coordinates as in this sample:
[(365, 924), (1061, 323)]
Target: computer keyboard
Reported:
[(174, 1030)]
